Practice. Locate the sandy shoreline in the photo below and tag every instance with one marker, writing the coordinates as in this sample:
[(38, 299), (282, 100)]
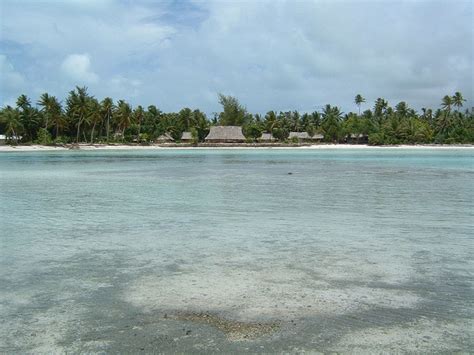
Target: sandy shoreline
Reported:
[(88, 147)]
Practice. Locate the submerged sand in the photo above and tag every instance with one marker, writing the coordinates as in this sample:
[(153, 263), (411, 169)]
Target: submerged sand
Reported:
[(374, 259)]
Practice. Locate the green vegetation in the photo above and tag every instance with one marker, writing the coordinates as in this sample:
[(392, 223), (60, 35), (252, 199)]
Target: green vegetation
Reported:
[(84, 119)]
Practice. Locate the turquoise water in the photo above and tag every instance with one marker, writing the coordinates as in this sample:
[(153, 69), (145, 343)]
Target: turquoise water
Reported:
[(356, 250)]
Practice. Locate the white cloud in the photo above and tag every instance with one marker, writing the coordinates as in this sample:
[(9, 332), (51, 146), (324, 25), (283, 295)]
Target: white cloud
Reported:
[(78, 68), (120, 84), (270, 54)]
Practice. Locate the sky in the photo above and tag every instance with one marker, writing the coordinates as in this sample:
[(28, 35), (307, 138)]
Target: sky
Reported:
[(271, 55)]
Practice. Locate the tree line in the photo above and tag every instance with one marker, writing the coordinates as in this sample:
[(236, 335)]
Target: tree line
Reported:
[(82, 118)]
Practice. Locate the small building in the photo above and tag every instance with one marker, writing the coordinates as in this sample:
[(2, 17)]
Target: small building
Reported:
[(266, 138), (301, 136), (164, 138), (4, 139), (357, 138), (225, 134), (186, 137), (305, 137), (317, 138)]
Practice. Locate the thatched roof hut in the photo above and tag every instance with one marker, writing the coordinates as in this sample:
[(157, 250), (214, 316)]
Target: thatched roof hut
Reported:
[(3, 139), (317, 137), (225, 134), (266, 137), (304, 136), (357, 138), (164, 138), (186, 137), (300, 135)]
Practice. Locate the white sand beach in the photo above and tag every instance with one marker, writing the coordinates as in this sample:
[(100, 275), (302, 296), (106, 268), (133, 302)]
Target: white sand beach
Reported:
[(94, 147)]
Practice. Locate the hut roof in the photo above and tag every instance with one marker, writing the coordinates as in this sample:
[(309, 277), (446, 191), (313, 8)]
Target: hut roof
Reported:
[(187, 136), (226, 133), (165, 137), (299, 135), (267, 137), (317, 136)]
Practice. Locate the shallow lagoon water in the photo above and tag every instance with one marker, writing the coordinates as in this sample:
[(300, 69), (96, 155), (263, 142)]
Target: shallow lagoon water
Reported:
[(354, 251)]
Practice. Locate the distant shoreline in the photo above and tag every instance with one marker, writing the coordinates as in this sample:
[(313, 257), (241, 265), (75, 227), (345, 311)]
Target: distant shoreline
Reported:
[(98, 147)]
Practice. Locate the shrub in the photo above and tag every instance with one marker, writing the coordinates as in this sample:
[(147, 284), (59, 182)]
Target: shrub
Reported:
[(44, 137), (377, 139), (62, 140)]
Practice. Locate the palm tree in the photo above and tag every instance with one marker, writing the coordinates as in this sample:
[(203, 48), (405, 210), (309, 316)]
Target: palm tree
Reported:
[(10, 118), (446, 103), (457, 100), (45, 103), (107, 107), (295, 120), (29, 118), (315, 119), (402, 109), (52, 112), (381, 111), (201, 125), (358, 101), (444, 124), (271, 121), (380, 106), (124, 115), (138, 115), (427, 114), (78, 107), (23, 102), (56, 114), (186, 118), (172, 125), (352, 125), (152, 119), (332, 116), (95, 116)]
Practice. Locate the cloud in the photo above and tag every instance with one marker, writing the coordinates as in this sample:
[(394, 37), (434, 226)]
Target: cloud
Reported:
[(78, 68), (10, 80), (120, 84), (10, 77), (270, 54)]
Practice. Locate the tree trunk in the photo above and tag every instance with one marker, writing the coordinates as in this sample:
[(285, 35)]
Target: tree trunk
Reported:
[(78, 130), (139, 127), (108, 126), (92, 133)]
